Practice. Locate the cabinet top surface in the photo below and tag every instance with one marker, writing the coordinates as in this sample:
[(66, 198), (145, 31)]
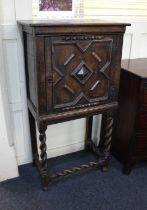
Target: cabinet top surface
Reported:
[(72, 22), (136, 66)]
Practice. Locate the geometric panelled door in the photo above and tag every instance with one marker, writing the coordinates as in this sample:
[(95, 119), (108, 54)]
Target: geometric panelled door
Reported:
[(80, 70)]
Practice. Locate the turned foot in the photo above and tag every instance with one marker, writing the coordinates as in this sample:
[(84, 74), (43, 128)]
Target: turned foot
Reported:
[(105, 168), (45, 182), (45, 187), (45, 179)]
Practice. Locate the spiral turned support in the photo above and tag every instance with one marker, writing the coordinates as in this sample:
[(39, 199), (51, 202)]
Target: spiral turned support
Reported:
[(43, 148), (107, 143), (108, 136)]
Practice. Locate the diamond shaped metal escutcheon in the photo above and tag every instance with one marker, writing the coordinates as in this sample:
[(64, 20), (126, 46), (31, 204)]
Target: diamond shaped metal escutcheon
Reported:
[(82, 72)]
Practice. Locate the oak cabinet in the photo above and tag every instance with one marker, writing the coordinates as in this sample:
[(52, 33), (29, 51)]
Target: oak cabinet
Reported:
[(72, 71)]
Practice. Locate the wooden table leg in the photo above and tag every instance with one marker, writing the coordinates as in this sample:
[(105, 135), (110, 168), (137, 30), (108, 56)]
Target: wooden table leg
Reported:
[(33, 138), (43, 156), (107, 140), (88, 135)]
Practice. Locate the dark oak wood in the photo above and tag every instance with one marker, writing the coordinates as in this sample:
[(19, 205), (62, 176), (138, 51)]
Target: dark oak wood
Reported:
[(129, 144), (72, 71), (33, 138), (88, 136)]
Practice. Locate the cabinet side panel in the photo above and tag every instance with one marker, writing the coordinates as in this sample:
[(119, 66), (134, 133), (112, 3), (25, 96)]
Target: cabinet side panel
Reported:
[(30, 68), (126, 115), (41, 75), (115, 66)]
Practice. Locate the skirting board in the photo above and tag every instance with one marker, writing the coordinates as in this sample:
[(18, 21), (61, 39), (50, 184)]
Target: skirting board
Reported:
[(54, 152)]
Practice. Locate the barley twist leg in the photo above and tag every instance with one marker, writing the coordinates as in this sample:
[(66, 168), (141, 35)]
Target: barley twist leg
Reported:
[(107, 142), (43, 157)]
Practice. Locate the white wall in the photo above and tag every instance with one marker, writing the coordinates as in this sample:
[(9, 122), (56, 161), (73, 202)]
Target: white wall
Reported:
[(8, 162), (70, 136)]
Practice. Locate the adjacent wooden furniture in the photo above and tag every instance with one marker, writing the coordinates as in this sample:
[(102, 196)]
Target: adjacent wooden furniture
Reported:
[(72, 71), (129, 144)]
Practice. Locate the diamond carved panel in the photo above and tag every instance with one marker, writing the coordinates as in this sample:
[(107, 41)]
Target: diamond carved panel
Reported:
[(83, 72)]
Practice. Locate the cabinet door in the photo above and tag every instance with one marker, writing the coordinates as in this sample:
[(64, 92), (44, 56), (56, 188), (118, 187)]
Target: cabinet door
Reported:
[(80, 68)]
